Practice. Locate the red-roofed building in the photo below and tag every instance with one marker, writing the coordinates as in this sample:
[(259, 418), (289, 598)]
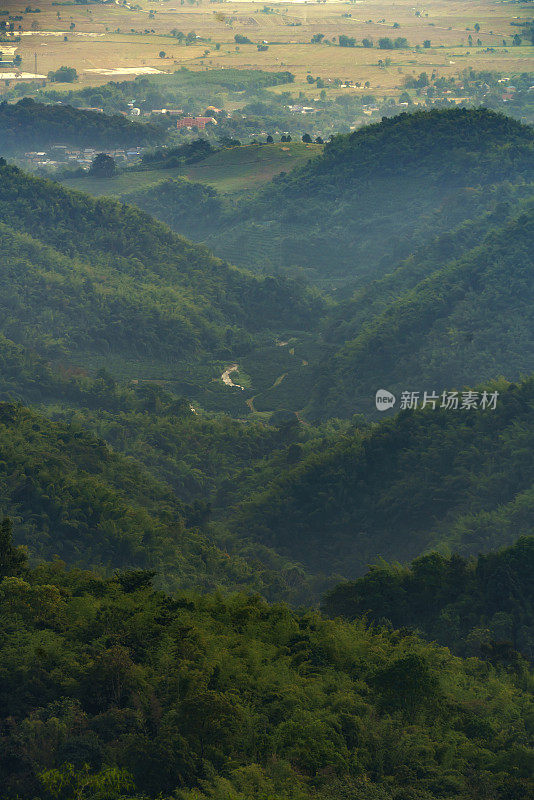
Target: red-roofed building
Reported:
[(195, 122)]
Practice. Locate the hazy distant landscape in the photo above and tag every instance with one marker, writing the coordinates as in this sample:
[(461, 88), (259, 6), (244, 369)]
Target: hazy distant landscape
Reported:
[(266, 400)]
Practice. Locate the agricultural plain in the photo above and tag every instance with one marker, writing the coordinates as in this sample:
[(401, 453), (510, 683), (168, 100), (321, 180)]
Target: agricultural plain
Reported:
[(120, 41)]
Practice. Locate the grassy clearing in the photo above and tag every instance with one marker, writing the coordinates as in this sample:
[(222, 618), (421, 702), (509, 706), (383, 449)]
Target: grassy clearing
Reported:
[(245, 167), (125, 182), (231, 170)]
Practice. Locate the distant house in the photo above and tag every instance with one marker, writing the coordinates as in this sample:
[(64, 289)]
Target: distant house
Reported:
[(302, 109), (172, 112), (186, 122), (195, 122)]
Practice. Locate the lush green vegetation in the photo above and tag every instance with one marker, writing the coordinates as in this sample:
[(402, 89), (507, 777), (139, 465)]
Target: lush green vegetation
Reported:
[(454, 314), (455, 311), (375, 195), (119, 284), (356, 308), (482, 607), (457, 480), (73, 497), (115, 331), (449, 314), (113, 690), (169, 157), (28, 125), (181, 203), (210, 457)]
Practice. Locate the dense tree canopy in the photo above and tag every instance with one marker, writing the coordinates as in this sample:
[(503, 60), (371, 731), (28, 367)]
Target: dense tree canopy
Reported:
[(129, 668), (460, 480), (74, 498), (118, 282), (130, 693), (437, 322), (482, 606), (29, 125)]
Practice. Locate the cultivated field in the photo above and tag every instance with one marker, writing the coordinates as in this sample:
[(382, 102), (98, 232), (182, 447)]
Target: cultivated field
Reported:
[(112, 41)]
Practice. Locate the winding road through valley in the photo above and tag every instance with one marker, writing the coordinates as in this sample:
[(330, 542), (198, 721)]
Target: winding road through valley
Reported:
[(226, 379)]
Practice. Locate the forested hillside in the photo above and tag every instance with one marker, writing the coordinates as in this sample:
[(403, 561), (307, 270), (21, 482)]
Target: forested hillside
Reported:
[(28, 125), (121, 291), (356, 307), (89, 281), (182, 204), (373, 196), (73, 497), (211, 457), (437, 322), (114, 690), (454, 312), (482, 607), (458, 480), (129, 668)]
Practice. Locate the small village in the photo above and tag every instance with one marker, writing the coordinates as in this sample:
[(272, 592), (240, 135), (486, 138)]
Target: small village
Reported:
[(60, 155)]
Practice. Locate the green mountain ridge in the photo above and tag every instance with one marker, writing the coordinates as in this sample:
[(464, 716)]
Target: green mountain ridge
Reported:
[(423, 480), (371, 197), (460, 324), (355, 307), (445, 316), (72, 497), (121, 287), (118, 342)]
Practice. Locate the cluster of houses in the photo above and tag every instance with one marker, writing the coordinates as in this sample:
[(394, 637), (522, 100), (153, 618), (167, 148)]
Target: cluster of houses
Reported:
[(60, 155), (509, 91), (183, 120)]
